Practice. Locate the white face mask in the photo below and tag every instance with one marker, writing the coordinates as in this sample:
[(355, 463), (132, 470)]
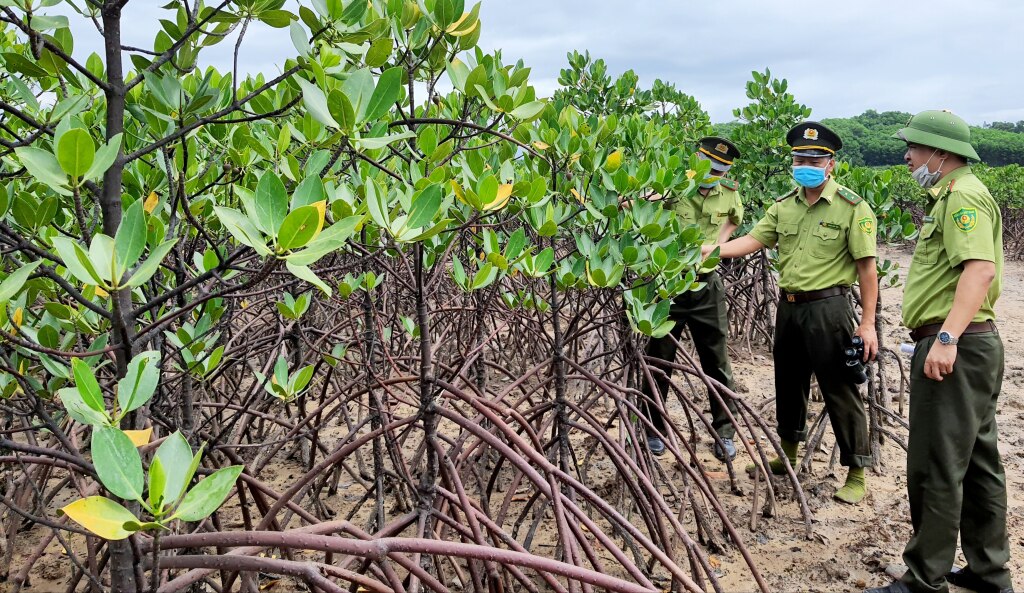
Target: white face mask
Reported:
[(926, 178)]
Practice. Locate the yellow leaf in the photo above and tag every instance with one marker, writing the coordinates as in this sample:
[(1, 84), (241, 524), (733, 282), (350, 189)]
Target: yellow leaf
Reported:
[(321, 209), (455, 26), (690, 173), (540, 145), (151, 201), (17, 317), (101, 516), (576, 194), (139, 437), (101, 293), (245, 303), (614, 161), (504, 193)]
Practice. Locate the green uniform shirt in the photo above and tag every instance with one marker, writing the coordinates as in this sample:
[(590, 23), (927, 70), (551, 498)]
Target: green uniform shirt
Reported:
[(710, 212), (963, 222), (819, 244)]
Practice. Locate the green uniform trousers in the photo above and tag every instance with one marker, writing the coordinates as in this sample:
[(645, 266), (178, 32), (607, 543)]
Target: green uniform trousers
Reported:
[(810, 338), (955, 478), (704, 312)]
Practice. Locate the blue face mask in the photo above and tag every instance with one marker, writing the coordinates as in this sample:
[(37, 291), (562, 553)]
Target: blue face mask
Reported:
[(709, 185), (809, 176)]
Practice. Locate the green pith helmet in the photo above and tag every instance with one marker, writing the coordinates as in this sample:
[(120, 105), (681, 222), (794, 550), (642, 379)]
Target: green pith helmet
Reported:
[(939, 129)]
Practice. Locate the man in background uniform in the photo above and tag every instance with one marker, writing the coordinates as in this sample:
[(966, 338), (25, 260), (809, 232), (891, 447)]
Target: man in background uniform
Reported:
[(716, 208), (955, 478), (825, 234)]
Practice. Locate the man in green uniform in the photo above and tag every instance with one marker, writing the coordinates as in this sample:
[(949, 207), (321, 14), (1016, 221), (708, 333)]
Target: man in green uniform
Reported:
[(955, 478), (825, 235), (717, 209)]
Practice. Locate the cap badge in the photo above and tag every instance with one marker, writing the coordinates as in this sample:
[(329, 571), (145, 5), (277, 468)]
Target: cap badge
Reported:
[(810, 134), (722, 148)]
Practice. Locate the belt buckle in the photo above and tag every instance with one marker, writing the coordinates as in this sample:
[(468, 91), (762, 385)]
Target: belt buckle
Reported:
[(790, 298)]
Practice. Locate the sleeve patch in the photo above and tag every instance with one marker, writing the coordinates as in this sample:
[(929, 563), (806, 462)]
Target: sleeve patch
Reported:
[(866, 224), (849, 196), (965, 219)]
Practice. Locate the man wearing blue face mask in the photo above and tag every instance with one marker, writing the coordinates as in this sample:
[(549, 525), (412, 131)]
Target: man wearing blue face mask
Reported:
[(825, 234), (717, 209)]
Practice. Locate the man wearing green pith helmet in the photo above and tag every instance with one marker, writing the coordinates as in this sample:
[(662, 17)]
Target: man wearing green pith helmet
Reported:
[(955, 478), (717, 209)]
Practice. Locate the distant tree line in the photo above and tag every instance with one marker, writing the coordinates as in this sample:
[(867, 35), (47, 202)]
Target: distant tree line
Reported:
[(868, 141)]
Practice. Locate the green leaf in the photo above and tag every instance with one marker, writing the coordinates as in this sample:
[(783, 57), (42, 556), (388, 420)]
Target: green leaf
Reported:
[(425, 205), (389, 88), (79, 410), (157, 483), (101, 254), (299, 39), (176, 456), (14, 282), (76, 152), (299, 227), (379, 52), (87, 385), (42, 165), (528, 111), (130, 240), (101, 516), (105, 156), (381, 142), (271, 203), (117, 462), (316, 104), (458, 72), (331, 239), (310, 191), (242, 229), (149, 267), (140, 381), (301, 379), (358, 87), (278, 19), (207, 496), (304, 273)]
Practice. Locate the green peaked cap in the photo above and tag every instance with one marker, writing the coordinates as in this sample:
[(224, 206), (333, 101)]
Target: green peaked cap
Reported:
[(939, 129)]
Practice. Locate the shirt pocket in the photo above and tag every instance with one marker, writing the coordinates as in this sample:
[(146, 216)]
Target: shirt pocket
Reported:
[(789, 235), (825, 242), (927, 250)]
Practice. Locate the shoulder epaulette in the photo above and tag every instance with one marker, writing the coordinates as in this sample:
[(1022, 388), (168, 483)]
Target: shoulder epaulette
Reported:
[(790, 194), (729, 184), (849, 196)]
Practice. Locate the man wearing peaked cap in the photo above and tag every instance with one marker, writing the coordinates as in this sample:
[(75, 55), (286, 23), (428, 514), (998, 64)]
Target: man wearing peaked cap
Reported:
[(811, 139), (955, 478), (717, 209), (825, 236)]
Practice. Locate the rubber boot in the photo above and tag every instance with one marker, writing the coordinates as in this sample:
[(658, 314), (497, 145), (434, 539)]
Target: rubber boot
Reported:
[(855, 488), (777, 466)]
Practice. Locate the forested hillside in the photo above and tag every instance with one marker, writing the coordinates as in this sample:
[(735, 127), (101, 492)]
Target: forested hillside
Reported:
[(868, 139)]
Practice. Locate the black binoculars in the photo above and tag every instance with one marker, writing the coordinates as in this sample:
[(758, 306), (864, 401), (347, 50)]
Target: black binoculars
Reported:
[(853, 356)]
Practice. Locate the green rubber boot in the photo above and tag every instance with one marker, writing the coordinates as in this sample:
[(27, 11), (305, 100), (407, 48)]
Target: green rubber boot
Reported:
[(777, 466), (855, 488)]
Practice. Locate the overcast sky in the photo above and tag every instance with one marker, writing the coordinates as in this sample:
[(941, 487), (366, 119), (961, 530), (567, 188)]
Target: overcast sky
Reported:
[(841, 58)]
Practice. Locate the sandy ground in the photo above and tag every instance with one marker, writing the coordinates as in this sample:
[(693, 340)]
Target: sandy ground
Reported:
[(853, 545)]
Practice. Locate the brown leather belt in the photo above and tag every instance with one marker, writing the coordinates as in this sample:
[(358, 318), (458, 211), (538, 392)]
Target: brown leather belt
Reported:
[(814, 295), (927, 331)]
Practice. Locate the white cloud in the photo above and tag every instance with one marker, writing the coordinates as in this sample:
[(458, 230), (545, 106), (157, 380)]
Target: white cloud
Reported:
[(840, 58)]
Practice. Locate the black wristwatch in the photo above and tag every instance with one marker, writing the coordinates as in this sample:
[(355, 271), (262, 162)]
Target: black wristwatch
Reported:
[(947, 339)]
